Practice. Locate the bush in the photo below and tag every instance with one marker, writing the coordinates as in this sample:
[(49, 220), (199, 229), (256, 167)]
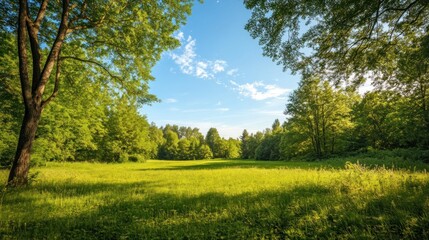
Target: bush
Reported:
[(123, 157), (136, 158), (37, 161)]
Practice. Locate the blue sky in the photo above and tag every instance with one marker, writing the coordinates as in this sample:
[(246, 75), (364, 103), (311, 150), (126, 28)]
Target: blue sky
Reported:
[(219, 77)]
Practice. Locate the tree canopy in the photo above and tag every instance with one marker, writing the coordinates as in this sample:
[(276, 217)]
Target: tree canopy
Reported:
[(342, 39), (115, 42)]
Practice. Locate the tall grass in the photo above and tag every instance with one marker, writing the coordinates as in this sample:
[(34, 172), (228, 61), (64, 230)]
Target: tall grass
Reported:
[(217, 199)]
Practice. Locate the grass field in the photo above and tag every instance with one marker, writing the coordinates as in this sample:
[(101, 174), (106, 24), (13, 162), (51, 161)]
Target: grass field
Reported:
[(220, 199)]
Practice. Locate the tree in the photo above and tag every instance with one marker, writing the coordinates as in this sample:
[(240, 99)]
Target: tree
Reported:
[(245, 148), (276, 127), (233, 148), (342, 39), (321, 113), (170, 147), (156, 141), (253, 143), (214, 141), (121, 40), (127, 132), (204, 152)]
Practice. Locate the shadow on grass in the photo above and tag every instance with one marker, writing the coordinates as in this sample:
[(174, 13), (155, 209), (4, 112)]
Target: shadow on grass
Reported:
[(323, 164), (134, 211), (221, 164)]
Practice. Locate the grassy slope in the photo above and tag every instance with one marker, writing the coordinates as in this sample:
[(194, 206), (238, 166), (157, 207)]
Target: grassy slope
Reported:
[(218, 199)]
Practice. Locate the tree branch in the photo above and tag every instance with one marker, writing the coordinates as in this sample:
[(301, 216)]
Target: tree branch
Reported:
[(33, 31), (41, 13), (53, 55), (104, 68), (57, 83)]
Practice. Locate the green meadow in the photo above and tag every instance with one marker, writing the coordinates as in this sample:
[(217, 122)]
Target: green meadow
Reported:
[(220, 199)]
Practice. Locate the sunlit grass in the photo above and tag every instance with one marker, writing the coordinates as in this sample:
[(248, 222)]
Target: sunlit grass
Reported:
[(220, 199)]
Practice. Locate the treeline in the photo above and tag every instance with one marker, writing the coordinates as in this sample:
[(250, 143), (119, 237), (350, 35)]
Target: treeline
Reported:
[(115, 132), (93, 119), (324, 121), (92, 123)]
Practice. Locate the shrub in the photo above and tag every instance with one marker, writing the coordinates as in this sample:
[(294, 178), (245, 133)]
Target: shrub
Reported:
[(136, 158)]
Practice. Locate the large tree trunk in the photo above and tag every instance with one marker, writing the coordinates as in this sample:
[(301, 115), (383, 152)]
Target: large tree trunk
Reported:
[(32, 93), (19, 172)]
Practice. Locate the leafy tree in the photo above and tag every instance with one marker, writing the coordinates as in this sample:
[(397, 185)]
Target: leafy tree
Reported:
[(170, 147), (253, 143), (127, 133), (120, 40), (387, 120), (233, 148), (204, 152), (320, 113), (214, 141), (342, 39), (276, 128), (184, 150), (156, 140), (372, 118), (245, 148)]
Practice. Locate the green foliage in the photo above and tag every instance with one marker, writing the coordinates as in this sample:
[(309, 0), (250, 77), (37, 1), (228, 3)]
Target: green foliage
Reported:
[(204, 152), (233, 150), (127, 131), (219, 199), (344, 39), (137, 158), (319, 115), (269, 148), (214, 141), (10, 100)]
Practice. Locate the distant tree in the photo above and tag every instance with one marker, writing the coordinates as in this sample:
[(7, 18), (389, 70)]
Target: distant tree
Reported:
[(170, 147), (184, 150), (253, 143), (121, 40), (276, 128), (214, 141), (245, 148), (269, 146), (156, 141), (204, 152)]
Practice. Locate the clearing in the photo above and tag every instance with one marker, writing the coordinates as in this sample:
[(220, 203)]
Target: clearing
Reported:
[(214, 199)]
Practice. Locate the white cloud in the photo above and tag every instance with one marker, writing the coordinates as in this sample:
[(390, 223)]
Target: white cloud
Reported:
[(273, 113), (201, 70), (219, 66), (190, 64), (232, 72), (186, 59), (222, 109), (260, 91), (206, 110), (170, 100), (180, 36)]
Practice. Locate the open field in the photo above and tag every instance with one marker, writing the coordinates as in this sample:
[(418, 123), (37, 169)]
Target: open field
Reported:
[(214, 199)]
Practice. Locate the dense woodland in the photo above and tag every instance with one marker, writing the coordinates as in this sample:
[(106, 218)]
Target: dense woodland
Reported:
[(97, 116)]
